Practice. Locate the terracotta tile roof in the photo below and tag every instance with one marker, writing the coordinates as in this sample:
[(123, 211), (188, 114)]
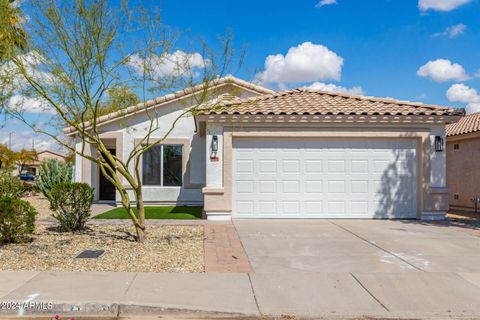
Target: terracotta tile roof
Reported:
[(467, 124), (147, 105), (315, 102)]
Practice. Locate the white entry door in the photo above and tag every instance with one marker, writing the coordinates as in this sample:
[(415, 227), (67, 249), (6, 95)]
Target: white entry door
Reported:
[(324, 178)]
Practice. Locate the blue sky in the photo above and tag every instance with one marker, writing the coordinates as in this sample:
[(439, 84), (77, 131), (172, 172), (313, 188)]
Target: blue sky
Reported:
[(419, 50), (383, 42)]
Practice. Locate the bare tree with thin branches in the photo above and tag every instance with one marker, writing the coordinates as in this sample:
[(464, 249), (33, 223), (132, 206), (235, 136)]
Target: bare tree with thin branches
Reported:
[(79, 50)]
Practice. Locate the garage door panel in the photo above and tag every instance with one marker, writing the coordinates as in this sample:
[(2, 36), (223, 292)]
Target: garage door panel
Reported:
[(359, 187), (336, 207), (291, 166), (359, 166), (268, 186), (313, 166), (313, 207), (267, 207), (267, 166), (336, 166), (336, 186), (244, 207), (359, 208), (244, 166), (324, 178), (291, 208), (245, 186), (291, 186), (313, 187)]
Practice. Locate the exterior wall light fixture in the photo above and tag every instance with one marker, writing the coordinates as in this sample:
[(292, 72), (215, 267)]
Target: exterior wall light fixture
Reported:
[(214, 148), (439, 145), (215, 143)]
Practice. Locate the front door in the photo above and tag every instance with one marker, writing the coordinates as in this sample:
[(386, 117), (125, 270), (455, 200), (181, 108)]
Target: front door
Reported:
[(106, 188)]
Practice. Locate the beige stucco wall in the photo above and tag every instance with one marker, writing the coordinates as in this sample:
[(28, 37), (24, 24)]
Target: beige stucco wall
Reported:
[(463, 170), (123, 134)]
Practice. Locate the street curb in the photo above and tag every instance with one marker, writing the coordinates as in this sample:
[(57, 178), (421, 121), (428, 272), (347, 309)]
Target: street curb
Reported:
[(114, 311), (66, 310)]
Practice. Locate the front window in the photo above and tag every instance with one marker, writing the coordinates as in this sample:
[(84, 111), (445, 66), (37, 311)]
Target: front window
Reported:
[(162, 165)]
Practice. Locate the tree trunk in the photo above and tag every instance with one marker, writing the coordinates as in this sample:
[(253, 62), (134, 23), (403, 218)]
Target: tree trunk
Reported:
[(138, 223), (141, 215), (141, 234)]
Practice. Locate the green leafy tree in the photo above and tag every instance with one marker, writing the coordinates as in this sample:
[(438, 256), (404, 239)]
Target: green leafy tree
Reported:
[(7, 157), (79, 51), (25, 157), (11, 29)]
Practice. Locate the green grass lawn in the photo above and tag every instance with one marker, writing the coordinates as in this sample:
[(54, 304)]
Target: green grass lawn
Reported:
[(184, 213)]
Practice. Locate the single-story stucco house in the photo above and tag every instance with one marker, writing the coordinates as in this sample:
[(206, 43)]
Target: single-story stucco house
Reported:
[(463, 165), (293, 154), (45, 155)]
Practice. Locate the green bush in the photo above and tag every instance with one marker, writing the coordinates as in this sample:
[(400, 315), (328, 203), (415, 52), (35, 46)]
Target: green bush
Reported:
[(71, 203), (10, 186), (52, 173), (17, 220)]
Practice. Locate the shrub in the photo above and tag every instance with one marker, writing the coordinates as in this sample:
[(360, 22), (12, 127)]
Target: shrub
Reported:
[(52, 173), (17, 220), (10, 186), (71, 203)]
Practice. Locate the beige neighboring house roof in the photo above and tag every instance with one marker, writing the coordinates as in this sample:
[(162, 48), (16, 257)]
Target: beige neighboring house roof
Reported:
[(52, 153), (467, 124), (315, 102), (47, 155), (154, 103)]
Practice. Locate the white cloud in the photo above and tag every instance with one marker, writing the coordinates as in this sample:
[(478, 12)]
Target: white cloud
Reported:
[(442, 70), (334, 88), (22, 104), (25, 139), (32, 62), (441, 5), (464, 94), (325, 3), (303, 63), (178, 63), (452, 31)]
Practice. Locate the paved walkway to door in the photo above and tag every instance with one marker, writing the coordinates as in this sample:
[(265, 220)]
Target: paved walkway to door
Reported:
[(223, 249)]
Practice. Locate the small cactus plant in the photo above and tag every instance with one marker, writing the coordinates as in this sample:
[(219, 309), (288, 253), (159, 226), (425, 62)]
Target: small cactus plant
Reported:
[(52, 173)]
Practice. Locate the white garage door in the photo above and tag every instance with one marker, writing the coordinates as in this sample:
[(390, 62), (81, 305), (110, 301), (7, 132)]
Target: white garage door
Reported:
[(324, 178)]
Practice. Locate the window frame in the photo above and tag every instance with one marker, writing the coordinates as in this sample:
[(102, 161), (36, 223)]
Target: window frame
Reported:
[(161, 185)]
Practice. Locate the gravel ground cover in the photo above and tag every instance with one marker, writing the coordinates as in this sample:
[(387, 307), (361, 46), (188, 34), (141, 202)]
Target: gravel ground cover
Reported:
[(167, 249), (41, 204)]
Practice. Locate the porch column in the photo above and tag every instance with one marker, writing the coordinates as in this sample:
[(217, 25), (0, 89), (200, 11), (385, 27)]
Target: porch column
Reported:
[(436, 204), (216, 206)]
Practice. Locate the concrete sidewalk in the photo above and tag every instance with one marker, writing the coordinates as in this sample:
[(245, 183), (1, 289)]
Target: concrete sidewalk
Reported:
[(337, 295)]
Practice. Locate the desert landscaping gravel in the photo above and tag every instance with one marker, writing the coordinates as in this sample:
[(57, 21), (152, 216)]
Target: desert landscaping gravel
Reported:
[(167, 249), (41, 204)]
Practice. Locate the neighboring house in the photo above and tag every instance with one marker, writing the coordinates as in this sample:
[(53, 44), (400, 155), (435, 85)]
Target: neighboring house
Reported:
[(463, 162), (34, 167), (294, 154)]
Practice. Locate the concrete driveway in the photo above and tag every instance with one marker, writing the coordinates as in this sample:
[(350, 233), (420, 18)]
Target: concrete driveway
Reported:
[(372, 267), (357, 246)]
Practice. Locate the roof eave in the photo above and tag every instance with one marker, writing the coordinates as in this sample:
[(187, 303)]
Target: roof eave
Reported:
[(273, 118), (169, 98)]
